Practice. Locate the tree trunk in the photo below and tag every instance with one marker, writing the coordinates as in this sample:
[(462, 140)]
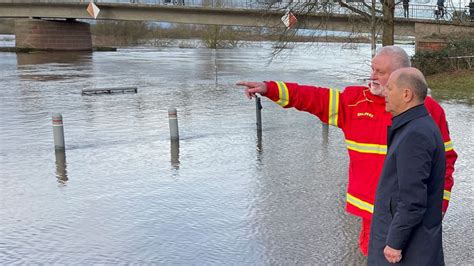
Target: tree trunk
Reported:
[(373, 29), (388, 22)]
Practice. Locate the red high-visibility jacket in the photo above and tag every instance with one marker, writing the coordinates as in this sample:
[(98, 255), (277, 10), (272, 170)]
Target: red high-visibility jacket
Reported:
[(363, 119)]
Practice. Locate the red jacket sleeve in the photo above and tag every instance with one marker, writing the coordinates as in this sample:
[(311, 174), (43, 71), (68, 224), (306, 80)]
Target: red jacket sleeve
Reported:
[(322, 102), (438, 115)]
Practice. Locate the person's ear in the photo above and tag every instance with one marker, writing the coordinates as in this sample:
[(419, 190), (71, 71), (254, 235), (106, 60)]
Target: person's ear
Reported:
[(408, 95)]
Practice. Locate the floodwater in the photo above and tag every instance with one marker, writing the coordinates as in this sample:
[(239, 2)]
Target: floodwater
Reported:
[(124, 194)]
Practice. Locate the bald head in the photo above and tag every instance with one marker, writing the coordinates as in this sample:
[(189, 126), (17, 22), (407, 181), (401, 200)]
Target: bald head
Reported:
[(406, 88), (412, 79)]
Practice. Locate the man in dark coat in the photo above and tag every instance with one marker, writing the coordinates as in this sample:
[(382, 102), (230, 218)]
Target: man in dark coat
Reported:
[(406, 5), (440, 9), (406, 224)]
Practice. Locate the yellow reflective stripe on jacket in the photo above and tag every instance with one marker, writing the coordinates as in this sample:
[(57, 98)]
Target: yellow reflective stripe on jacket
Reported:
[(333, 106), (448, 146), (360, 203), (283, 94), (447, 195), (366, 147), (370, 208), (381, 149)]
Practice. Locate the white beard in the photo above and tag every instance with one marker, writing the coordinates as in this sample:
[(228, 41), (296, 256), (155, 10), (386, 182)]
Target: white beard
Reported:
[(376, 89)]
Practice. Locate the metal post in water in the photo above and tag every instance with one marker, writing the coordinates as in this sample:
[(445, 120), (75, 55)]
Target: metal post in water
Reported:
[(174, 135), (173, 120), (58, 132), (215, 67), (258, 108), (174, 150), (61, 171), (259, 142)]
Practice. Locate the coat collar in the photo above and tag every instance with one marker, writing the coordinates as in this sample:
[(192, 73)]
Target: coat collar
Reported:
[(378, 99), (408, 115)]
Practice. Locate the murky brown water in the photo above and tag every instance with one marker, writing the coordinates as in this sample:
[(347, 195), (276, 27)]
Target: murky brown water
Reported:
[(120, 197)]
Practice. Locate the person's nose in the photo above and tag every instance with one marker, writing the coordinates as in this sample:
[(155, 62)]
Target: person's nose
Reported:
[(373, 75)]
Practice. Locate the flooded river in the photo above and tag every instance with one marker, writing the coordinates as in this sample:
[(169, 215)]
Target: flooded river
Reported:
[(123, 194)]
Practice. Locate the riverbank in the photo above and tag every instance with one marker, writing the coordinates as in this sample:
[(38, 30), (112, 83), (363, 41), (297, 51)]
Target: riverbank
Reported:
[(457, 86), (459, 80)]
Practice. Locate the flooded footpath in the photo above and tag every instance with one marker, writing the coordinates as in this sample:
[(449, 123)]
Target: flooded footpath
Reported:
[(122, 193)]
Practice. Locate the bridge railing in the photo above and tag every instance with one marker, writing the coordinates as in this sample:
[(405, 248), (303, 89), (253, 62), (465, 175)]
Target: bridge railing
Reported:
[(415, 11)]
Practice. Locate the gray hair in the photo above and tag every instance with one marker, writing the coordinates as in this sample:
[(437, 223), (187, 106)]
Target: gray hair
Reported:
[(400, 57)]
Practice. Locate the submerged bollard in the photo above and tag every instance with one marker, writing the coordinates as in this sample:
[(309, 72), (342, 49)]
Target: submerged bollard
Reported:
[(173, 120), (61, 171), (174, 150), (259, 142), (58, 132), (258, 106)]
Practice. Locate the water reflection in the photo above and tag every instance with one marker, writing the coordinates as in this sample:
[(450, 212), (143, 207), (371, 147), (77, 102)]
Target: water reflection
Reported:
[(57, 65), (61, 169), (59, 57), (259, 142), (325, 134), (174, 150), (207, 65)]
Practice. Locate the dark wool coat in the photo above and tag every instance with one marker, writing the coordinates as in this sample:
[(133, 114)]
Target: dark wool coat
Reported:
[(407, 213)]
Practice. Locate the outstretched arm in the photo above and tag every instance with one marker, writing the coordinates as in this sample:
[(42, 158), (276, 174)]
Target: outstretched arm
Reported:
[(323, 102)]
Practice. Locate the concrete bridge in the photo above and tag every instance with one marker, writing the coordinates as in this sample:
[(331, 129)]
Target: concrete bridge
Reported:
[(37, 34)]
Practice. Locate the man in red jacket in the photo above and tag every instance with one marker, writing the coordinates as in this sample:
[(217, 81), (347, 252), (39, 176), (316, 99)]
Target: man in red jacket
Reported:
[(360, 112)]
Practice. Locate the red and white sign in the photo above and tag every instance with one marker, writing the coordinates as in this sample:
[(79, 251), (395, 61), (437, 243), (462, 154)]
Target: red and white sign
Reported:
[(289, 19), (93, 10)]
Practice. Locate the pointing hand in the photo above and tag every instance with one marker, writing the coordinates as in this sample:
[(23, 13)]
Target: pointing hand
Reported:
[(253, 87)]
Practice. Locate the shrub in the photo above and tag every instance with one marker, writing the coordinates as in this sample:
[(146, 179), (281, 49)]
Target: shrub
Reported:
[(430, 62), (445, 60), (215, 37)]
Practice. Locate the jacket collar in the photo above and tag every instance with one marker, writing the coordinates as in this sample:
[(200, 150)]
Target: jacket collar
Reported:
[(408, 115), (378, 99)]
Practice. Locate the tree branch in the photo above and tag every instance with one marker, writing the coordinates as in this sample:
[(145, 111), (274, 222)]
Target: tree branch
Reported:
[(370, 7), (355, 10)]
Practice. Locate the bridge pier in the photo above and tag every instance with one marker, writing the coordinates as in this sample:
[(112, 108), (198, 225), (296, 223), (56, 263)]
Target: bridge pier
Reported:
[(61, 35)]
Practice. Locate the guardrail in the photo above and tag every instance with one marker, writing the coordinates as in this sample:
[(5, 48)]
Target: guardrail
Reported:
[(415, 11)]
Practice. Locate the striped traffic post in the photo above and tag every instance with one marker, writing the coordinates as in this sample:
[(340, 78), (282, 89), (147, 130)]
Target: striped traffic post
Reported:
[(58, 132), (173, 121)]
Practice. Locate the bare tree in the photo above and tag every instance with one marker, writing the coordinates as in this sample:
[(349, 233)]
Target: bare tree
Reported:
[(358, 11)]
